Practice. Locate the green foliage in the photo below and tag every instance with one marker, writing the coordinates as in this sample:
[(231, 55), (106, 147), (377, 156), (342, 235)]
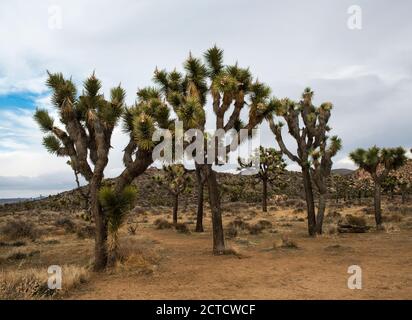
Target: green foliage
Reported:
[(143, 129), (45, 121), (116, 206), (52, 144), (214, 60), (373, 158)]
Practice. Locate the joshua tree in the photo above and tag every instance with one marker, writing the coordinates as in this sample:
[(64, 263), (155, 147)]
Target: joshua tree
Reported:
[(115, 207), (314, 148), (379, 163), (228, 86), (271, 167), (89, 120), (176, 180)]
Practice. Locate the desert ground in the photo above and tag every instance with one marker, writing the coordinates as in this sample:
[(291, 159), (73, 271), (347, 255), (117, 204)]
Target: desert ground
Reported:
[(278, 260)]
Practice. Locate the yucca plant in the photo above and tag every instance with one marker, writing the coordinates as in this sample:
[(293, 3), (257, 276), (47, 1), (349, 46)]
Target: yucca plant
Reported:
[(379, 163), (115, 207), (308, 125), (88, 121), (227, 86)]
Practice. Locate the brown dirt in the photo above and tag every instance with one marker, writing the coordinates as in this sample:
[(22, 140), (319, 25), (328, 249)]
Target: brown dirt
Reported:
[(186, 269), (316, 270)]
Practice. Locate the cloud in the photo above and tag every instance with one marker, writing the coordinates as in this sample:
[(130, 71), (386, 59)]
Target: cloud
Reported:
[(290, 45)]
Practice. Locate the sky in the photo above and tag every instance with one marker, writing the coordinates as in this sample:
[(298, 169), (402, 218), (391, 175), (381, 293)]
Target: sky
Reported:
[(366, 73)]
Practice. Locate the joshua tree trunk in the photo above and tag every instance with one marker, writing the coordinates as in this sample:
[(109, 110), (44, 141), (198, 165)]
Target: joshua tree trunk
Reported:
[(199, 219), (310, 204), (321, 213), (378, 212), (403, 191), (214, 200), (175, 208), (265, 195), (101, 226)]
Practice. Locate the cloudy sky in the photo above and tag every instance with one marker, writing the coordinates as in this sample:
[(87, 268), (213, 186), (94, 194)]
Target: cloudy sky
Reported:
[(366, 73)]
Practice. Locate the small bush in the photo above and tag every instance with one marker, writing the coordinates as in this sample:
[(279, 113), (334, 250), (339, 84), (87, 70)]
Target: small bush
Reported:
[(18, 229), (131, 229), (255, 229), (66, 223), (182, 228), (333, 216), (231, 232), (86, 231), (265, 224), (355, 221), (22, 255), (392, 218), (239, 224), (162, 224), (287, 243), (32, 283)]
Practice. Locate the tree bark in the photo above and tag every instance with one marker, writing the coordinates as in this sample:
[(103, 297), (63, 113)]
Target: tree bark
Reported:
[(100, 246), (310, 204), (321, 213), (175, 208), (378, 211), (199, 218), (214, 200), (265, 195)]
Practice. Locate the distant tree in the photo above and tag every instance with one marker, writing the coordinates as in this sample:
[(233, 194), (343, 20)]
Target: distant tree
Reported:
[(271, 167), (177, 181), (308, 125), (379, 163)]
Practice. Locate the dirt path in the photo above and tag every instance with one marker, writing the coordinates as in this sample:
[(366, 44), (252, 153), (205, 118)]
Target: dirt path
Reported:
[(317, 270)]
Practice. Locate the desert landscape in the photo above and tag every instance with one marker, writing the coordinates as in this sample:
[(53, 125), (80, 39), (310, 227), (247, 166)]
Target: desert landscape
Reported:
[(270, 253), (205, 150)]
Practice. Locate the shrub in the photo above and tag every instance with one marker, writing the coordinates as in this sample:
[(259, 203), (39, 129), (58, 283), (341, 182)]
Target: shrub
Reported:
[(355, 221), (255, 229), (17, 229), (22, 255), (265, 223), (131, 229), (162, 224), (231, 232), (288, 243), (32, 283), (86, 231), (65, 223), (239, 224), (182, 228)]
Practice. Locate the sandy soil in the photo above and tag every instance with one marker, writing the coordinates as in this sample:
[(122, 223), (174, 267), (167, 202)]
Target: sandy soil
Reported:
[(184, 267), (316, 270)]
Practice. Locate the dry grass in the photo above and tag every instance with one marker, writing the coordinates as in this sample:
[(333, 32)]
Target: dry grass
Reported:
[(136, 257), (32, 283), (19, 229)]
